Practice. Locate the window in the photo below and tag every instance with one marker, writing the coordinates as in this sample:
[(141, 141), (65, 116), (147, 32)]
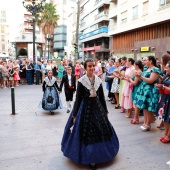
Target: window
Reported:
[(135, 12), (2, 37), (164, 2), (3, 47), (2, 29), (3, 14), (145, 7), (124, 16)]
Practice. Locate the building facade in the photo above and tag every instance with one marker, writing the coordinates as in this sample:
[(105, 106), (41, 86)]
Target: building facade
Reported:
[(71, 28), (4, 34), (60, 32), (94, 22), (24, 42), (139, 28)]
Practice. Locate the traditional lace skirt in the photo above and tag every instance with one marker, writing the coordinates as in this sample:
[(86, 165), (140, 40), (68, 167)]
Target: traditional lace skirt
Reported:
[(51, 100), (92, 138)]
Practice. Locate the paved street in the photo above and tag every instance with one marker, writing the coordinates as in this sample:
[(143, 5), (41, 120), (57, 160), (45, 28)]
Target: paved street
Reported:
[(31, 139)]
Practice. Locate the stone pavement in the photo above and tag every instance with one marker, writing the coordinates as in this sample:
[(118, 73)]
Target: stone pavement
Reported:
[(31, 139)]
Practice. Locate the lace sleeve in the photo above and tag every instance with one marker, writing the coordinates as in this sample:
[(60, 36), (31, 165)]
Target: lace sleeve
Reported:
[(79, 96), (102, 97)]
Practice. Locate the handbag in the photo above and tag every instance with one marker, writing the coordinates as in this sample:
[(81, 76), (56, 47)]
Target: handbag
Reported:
[(108, 79)]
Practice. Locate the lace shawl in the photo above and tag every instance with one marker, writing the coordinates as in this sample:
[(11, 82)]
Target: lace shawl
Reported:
[(50, 82), (84, 80)]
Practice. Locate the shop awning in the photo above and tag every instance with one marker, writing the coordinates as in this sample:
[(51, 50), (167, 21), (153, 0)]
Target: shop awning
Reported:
[(92, 48), (102, 50)]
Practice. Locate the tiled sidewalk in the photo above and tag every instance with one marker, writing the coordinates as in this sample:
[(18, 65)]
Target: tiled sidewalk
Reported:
[(31, 139)]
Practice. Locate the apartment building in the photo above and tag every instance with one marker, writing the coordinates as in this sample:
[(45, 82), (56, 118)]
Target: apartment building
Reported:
[(139, 28), (24, 42), (71, 28), (94, 22), (60, 32), (4, 33)]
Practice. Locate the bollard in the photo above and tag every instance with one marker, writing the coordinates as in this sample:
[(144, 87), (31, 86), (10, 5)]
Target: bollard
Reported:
[(13, 100)]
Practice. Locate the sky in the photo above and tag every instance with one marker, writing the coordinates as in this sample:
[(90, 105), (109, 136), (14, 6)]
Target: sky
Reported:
[(15, 14)]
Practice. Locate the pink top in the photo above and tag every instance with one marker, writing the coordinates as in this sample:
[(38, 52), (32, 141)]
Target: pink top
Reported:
[(77, 70), (97, 70)]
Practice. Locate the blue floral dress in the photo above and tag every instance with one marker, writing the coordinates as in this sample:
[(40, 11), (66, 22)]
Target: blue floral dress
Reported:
[(164, 103), (147, 95)]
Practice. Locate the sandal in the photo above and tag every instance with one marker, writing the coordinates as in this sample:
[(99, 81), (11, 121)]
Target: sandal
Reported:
[(136, 121), (113, 102), (127, 115), (166, 139), (162, 137)]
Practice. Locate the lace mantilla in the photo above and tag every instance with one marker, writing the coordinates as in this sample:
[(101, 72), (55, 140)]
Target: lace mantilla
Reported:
[(50, 82), (84, 80)]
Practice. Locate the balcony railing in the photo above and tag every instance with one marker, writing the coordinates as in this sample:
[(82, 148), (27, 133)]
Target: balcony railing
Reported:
[(102, 14)]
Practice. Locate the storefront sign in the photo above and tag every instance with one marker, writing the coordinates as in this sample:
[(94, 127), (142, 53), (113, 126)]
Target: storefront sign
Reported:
[(144, 49), (98, 31), (92, 48)]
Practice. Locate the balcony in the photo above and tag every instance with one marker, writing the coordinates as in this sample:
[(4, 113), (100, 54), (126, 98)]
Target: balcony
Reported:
[(96, 33), (112, 11), (102, 15)]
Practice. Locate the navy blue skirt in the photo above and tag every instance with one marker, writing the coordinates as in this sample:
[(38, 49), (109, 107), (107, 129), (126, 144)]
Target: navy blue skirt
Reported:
[(51, 100), (79, 152)]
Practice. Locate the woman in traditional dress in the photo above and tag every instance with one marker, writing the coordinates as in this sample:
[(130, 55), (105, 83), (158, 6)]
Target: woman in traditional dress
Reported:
[(51, 99), (89, 137)]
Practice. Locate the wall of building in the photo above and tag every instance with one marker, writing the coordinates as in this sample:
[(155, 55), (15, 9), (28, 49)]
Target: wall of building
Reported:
[(60, 31), (156, 36), (4, 33), (130, 14)]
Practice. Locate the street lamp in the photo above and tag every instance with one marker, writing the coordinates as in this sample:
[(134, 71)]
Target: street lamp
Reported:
[(34, 7), (49, 38)]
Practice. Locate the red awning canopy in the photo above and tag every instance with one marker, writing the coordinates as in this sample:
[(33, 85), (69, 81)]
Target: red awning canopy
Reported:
[(92, 48)]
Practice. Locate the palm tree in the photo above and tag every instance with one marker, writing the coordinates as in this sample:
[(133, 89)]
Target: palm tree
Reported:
[(48, 19)]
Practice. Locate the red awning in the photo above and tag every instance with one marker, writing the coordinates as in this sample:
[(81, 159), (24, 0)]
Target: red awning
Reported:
[(92, 48)]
